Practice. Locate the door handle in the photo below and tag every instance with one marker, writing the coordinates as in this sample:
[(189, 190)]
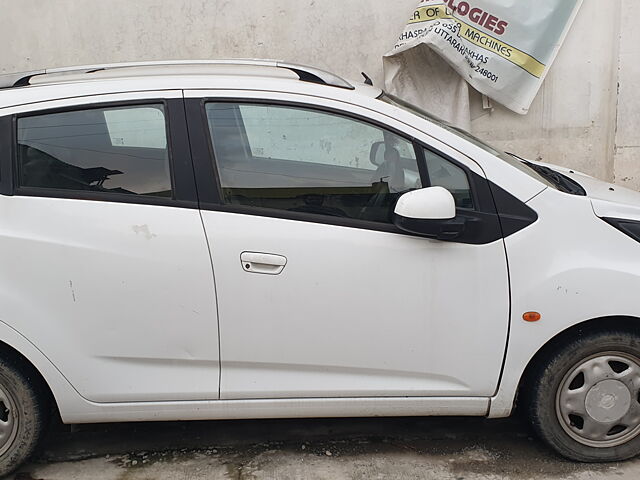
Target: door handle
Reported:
[(262, 263)]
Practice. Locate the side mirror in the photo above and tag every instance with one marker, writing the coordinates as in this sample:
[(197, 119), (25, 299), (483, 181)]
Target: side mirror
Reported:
[(430, 212)]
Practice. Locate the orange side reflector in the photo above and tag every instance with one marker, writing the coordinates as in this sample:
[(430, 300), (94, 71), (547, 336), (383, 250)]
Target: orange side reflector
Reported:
[(532, 317)]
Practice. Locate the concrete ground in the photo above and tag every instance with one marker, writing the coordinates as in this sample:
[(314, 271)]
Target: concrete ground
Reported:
[(403, 448)]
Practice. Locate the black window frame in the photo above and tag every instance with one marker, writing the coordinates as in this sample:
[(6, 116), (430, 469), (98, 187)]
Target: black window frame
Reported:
[(210, 191), (473, 179), (6, 155), (183, 185)]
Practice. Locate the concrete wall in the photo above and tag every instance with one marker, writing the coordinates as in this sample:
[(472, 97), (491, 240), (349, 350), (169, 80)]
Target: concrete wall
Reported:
[(587, 115), (626, 165)]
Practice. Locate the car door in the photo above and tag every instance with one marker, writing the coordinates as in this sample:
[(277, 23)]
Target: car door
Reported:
[(106, 269), (319, 295)]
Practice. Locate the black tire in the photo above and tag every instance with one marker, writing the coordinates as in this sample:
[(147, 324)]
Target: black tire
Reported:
[(541, 387), (29, 407)]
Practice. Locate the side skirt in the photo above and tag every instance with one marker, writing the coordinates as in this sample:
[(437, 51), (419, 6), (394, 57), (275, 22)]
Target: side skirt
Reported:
[(280, 408)]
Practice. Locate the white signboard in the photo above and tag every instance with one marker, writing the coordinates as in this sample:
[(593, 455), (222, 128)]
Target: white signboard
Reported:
[(502, 48)]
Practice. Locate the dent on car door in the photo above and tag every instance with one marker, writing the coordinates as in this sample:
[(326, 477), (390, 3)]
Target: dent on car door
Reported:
[(352, 306), (106, 267)]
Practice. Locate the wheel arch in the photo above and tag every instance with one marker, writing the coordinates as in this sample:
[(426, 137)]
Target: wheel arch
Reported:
[(622, 322), (62, 396), (14, 357)]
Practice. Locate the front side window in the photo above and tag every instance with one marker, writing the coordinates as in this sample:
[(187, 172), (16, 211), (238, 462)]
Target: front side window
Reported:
[(443, 173), (302, 160), (119, 150)]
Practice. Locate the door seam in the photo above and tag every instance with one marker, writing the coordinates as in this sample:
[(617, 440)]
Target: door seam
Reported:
[(206, 239), (215, 293)]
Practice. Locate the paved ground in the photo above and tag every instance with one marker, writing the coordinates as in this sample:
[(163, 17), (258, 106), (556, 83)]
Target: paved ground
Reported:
[(405, 448)]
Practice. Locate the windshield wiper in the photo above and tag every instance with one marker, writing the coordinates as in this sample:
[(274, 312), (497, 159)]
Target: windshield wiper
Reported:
[(561, 182), (564, 183)]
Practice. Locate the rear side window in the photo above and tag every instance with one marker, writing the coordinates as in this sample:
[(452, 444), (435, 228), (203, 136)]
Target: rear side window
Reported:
[(119, 150), (303, 160)]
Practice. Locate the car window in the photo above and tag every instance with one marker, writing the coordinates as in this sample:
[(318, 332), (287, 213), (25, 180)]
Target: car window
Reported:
[(118, 150), (303, 160), (443, 173), (282, 123)]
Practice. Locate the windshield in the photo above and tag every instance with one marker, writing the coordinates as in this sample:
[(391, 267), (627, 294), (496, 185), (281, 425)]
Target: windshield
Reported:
[(520, 164)]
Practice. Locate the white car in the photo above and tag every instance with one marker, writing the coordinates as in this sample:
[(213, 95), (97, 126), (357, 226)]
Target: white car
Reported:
[(254, 239)]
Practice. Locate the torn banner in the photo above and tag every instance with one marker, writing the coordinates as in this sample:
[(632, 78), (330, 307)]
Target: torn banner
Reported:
[(503, 48)]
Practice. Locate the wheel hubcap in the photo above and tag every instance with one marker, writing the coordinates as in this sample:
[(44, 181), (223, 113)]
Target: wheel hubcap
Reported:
[(608, 401), (598, 402)]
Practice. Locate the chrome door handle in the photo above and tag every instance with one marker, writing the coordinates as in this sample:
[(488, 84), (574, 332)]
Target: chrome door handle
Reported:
[(263, 263)]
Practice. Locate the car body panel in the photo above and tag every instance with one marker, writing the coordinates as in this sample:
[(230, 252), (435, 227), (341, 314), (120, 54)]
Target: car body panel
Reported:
[(119, 297), (608, 199), (355, 330), (86, 412), (559, 268)]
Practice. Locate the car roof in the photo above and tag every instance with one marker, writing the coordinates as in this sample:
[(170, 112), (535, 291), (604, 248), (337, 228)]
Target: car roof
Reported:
[(51, 84)]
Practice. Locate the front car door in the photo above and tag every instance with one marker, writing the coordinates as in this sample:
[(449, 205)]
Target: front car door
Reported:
[(106, 269), (319, 295)]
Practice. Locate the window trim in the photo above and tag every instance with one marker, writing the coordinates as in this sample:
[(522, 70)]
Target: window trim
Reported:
[(6, 154), (473, 187), (182, 178), (211, 191)]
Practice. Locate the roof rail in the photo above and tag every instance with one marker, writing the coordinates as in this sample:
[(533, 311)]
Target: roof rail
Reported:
[(306, 74)]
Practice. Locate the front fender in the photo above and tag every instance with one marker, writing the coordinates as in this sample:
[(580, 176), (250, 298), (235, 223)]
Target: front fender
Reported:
[(571, 267)]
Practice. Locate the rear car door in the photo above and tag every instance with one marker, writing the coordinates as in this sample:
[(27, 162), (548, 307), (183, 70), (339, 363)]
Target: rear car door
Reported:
[(106, 269), (319, 294)]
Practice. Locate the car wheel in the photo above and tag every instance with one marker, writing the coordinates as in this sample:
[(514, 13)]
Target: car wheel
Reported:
[(23, 414), (585, 400)]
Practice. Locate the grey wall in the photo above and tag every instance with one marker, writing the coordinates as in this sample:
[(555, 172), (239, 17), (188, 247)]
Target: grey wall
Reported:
[(587, 115)]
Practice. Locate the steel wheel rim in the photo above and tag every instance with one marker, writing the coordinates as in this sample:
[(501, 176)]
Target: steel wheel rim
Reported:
[(598, 401), (9, 420)]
